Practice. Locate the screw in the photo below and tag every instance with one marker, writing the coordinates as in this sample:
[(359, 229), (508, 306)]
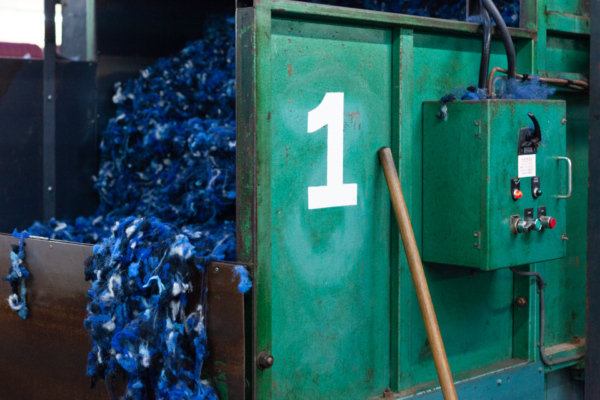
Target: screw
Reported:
[(539, 344), (388, 394), (563, 121), (49, 188), (564, 237), (50, 246), (521, 302), (216, 269), (265, 360), (541, 369), (576, 340), (499, 382), (49, 97), (475, 244)]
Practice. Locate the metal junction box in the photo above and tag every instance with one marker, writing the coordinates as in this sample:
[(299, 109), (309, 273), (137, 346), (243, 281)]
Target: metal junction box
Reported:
[(494, 186)]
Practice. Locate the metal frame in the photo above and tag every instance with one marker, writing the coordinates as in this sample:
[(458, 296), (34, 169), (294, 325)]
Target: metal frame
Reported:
[(592, 363)]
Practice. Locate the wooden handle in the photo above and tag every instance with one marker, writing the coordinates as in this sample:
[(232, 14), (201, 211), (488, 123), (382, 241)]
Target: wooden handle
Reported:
[(418, 275)]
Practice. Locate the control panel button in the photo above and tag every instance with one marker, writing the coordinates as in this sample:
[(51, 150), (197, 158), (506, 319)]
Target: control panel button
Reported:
[(515, 189), (548, 222), (537, 225), (535, 187)]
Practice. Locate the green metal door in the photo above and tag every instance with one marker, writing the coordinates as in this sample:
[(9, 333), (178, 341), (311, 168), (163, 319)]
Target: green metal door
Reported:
[(326, 267)]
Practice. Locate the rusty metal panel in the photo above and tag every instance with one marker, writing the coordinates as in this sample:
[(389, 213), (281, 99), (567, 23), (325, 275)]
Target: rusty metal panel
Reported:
[(225, 330), (45, 356)]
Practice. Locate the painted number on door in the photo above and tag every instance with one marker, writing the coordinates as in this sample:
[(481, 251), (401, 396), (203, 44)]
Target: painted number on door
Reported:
[(330, 113)]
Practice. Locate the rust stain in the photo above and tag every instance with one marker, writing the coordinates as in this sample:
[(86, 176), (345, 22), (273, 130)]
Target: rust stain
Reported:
[(355, 114), (267, 35), (269, 116), (289, 67), (290, 40)]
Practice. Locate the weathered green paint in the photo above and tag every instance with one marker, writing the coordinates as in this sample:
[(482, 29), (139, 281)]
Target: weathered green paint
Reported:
[(424, 59), (334, 262), (468, 163)]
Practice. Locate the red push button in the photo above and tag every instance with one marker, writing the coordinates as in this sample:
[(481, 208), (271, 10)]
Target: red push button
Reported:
[(548, 222), (517, 194)]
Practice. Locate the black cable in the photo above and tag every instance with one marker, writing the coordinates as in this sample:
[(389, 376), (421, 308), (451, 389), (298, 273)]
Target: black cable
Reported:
[(511, 56), (541, 345), (484, 66)]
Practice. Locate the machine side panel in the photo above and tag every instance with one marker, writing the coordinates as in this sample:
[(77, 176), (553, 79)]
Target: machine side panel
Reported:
[(454, 168), (329, 246)]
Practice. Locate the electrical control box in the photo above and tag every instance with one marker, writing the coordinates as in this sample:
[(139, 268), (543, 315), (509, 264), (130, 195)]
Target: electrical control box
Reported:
[(495, 183)]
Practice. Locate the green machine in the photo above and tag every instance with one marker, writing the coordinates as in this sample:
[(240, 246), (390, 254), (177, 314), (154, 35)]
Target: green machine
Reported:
[(494, 189), (333, 311)]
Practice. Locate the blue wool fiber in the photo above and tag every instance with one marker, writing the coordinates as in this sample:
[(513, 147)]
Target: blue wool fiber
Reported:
[(141, 276), (170, 150), (17, 276), (531, 89), (245, 280)]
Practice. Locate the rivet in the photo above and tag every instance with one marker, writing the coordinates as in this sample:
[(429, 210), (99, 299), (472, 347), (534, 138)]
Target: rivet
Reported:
[(49, 97), (49, 188), (541, 369), (50, 246), (216, 269), (563, 121), (499, 381)]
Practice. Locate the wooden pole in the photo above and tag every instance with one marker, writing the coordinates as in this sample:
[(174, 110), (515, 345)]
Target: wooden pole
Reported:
[(418, 275)]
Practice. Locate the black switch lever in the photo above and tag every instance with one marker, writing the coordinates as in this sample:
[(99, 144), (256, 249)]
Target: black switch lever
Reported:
[(529, 141)]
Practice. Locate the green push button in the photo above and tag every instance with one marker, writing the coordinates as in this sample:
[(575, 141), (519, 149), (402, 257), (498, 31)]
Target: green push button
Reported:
[(538, 192)]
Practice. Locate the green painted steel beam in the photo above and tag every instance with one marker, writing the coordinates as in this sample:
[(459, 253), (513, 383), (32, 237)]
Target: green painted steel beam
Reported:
[(566, 23)]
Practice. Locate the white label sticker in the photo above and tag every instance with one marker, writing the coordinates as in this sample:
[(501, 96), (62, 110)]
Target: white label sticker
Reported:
[(526, 166)]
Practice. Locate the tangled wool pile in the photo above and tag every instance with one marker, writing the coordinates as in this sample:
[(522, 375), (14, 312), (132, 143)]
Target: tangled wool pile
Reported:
[(17, 276), (167, 205), (170, 150), (137, 312)]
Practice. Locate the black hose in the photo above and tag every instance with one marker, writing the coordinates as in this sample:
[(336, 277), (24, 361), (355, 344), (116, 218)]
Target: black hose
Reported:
[(508, 44), (541, 345), (484, 67)]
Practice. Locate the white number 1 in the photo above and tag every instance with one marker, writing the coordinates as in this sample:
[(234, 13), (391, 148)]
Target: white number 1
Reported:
[(330, 113)]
